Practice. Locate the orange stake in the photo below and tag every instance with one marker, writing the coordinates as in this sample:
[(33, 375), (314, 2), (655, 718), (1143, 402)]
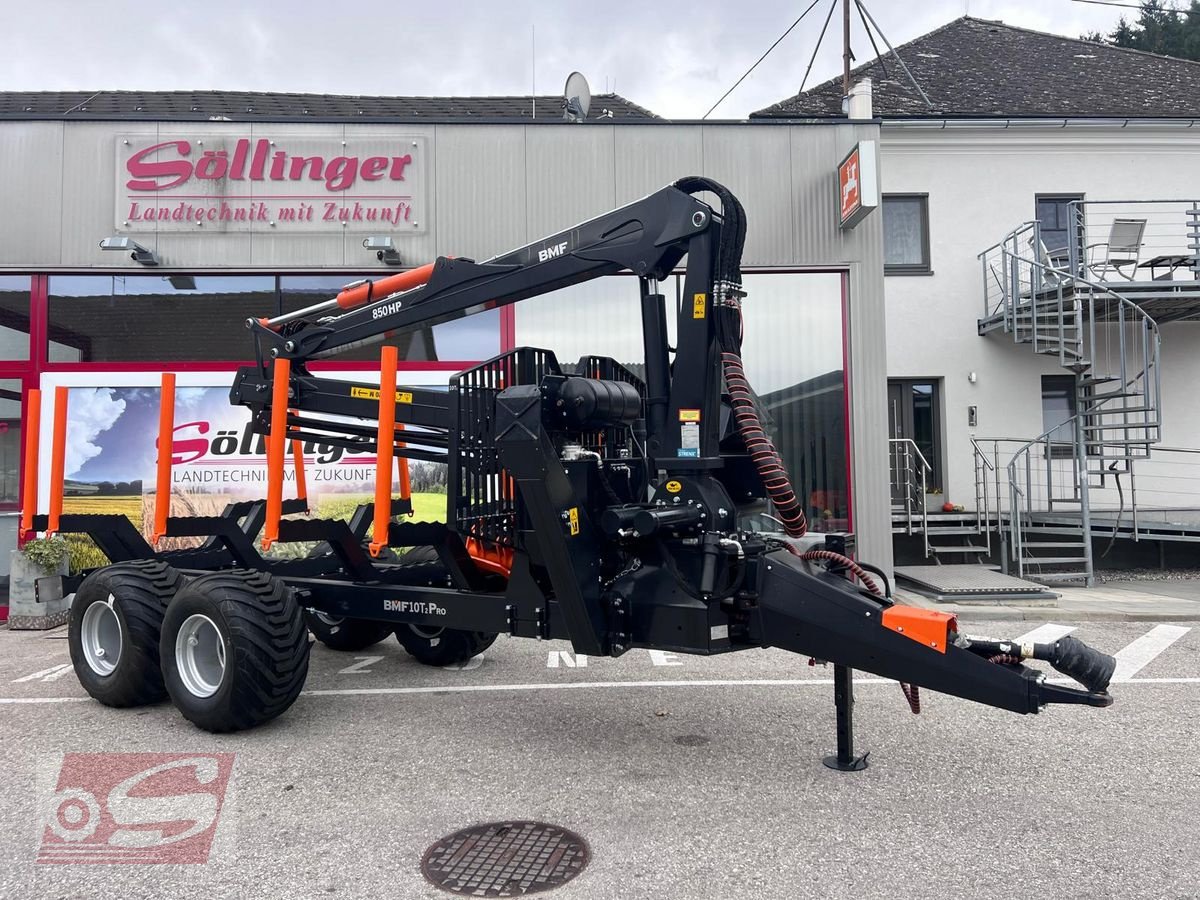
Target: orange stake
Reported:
[(377, 290), (58, 458), (33, 423), (276, 450), (166, 449), (402, 469), (385, 445)]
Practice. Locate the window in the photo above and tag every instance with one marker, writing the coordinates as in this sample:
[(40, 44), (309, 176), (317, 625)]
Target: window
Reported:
[(1053, 214), (14, 317), (149, 318), (906, 234), (792, 349)]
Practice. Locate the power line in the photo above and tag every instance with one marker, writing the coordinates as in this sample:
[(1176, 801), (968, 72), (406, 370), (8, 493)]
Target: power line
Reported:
[(761, 58), (1137, 6)]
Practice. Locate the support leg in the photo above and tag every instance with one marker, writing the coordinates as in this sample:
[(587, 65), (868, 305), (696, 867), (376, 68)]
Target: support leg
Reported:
[(843, 700)]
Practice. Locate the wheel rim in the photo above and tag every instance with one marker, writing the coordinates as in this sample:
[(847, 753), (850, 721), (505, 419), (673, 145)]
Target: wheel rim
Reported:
[(200, 655), (428, 633), (101, 637)]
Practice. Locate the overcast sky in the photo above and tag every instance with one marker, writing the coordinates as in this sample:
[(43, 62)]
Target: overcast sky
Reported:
[(675, 58)]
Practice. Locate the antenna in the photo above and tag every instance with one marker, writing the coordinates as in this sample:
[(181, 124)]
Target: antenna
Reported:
[(577, 98)]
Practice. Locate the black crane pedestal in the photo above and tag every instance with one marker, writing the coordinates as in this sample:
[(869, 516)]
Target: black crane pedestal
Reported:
[(843, 700)]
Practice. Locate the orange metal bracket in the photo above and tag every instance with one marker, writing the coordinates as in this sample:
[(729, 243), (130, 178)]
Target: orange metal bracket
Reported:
[(33, 424), (166, 449), (384, 446), (58, 458), (925, 626), (276, 449)]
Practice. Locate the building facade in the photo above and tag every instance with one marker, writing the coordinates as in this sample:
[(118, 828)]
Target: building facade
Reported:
[(250, 207), (1042, 276)]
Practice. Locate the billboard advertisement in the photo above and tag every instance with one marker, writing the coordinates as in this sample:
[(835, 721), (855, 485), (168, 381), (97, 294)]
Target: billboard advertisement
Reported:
[(111, 452)]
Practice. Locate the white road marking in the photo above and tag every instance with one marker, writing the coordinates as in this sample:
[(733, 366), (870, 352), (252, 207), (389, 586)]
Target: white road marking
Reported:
[(46, 674), (1045, 634), (1136, 656), (662, 658), (568, 686), (567, 658), (361, 667), (473, 663)]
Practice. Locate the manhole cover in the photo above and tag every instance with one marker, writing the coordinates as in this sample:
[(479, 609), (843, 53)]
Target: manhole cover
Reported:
[(505, 859)]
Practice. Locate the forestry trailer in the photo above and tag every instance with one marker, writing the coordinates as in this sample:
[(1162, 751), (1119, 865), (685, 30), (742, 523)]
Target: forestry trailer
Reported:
[(587, 502)]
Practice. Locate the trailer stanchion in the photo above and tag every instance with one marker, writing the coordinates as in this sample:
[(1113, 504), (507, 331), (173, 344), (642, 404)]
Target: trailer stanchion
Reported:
[(58, 458), (166, 449), (385, 443), (33, 422), (276, 448)]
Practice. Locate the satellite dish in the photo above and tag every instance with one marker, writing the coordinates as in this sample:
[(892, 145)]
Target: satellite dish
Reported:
[(577, 98)]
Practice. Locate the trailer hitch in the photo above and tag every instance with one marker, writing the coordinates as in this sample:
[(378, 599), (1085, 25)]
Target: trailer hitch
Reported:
[(818, 614)]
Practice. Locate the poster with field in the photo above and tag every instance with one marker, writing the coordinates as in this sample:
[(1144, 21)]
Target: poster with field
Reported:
[(216, 460)]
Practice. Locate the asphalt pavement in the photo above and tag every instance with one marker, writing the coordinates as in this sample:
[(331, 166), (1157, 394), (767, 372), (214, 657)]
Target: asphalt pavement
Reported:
[(688, 777)]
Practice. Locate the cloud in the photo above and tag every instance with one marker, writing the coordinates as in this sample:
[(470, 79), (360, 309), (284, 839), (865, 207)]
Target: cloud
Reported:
[(90, 413)]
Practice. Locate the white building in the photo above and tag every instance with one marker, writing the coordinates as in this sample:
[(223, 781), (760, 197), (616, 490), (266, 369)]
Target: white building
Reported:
[(1019, 124)]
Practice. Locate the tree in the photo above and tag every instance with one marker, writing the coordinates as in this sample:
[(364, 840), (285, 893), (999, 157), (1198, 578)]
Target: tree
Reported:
[(1161, 27)]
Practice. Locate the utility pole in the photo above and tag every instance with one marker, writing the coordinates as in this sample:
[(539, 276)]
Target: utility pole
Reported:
[(845, 48)]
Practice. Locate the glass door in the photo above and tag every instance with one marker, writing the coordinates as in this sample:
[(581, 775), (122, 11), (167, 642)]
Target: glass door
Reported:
[(914, 413)]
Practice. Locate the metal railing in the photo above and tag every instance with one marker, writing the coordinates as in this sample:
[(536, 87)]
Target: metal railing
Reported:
[(1115, 240), (983, 514), (1041, 474), (910, 481)]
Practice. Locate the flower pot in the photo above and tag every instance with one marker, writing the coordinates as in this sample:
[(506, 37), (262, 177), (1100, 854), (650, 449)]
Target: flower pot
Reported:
[(33, 605)]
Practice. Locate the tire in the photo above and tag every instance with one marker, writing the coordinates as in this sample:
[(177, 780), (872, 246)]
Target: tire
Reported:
[(437, 646), (345, 635), (249, 658), (443, 646), (126, 603)]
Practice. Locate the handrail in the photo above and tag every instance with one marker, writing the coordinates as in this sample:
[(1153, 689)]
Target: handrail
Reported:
[(983, 454), (916, 449)]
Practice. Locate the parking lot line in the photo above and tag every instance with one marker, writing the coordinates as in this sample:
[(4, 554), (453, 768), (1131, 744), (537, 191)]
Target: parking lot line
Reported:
[(1045, 634), (1137, 655)]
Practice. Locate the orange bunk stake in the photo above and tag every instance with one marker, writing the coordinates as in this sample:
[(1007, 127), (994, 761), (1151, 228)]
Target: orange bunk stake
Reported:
[(33, 423), (276, 450), (402, 469), (377, 290), (58, 458), (385, 444), (166, 449)]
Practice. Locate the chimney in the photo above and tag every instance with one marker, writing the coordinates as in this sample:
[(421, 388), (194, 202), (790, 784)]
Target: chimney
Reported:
[(859, 105)]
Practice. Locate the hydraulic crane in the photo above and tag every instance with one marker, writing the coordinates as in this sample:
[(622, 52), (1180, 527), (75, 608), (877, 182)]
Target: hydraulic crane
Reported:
[(589, 502)]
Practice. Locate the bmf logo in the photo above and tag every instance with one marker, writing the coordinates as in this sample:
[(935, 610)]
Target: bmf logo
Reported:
[(554, 250)]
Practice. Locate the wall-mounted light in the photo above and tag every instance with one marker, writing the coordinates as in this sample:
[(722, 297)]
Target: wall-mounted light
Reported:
[(972, 377), (385, 250), (136, 251)]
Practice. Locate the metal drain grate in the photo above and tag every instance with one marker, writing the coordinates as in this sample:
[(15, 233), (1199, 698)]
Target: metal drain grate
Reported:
[(505, 859)]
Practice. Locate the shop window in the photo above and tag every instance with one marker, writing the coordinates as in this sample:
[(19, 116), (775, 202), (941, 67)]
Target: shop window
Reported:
[(906, 234), (474, 337), (792, 348), (14, 317), (149, 318)]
